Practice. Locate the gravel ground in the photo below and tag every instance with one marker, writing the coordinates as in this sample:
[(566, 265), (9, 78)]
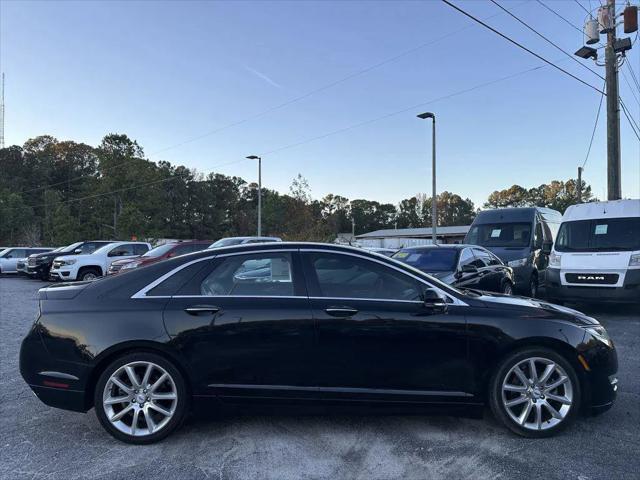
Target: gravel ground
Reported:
[(41, 442)]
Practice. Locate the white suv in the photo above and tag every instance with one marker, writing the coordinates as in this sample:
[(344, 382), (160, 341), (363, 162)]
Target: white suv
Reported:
[(96, 264)]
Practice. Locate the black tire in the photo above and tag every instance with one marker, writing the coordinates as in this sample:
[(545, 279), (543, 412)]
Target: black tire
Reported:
[(533, 287), (89, 273), (500, 410), (506, 288), (180, 408)]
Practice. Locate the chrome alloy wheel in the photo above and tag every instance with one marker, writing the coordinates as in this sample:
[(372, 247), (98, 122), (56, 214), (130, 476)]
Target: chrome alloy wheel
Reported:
[(140, 398), (537, 393)]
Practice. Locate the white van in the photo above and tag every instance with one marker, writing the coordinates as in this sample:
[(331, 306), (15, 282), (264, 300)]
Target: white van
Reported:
[(596, 256)]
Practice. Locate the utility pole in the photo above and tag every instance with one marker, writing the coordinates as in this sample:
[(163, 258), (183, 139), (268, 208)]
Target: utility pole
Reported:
[(256, 157), (614, 190), (579, 186)]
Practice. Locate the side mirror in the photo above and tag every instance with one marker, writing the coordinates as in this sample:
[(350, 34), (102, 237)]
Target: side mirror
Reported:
[(469, 269), (546, 247), (77, 251), (434, 300)]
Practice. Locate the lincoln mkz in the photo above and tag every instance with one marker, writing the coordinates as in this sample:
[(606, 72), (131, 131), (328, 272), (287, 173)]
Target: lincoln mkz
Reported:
[(299, 324)]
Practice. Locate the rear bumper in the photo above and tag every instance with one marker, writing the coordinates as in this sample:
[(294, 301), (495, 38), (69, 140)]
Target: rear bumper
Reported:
[(55, 382), (628, 293)]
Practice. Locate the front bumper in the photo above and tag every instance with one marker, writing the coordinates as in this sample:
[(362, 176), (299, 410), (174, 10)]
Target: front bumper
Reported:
[(41, 271), (61, 274), (601, 382), (55, 382), (629, 292)]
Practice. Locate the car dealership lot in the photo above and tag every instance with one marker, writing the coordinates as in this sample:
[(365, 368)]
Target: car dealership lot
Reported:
[(41, 442)]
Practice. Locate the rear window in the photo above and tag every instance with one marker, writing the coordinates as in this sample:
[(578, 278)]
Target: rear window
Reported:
[(612, 234), (431, 260)]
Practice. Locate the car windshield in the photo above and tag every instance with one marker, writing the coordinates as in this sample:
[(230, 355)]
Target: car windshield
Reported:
[(226, 242), (500, 235), (611, 234), (429, 260), (71, 248), (159, 251)]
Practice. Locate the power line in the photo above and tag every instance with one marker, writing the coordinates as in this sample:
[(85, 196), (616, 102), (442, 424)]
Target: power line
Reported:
[(634, 126), (593, 133), (283, 104), (540, 57), (397, 112), (546, 39), (631, 88), (582, 7), (560, 16), (308, 140), (633, 75)]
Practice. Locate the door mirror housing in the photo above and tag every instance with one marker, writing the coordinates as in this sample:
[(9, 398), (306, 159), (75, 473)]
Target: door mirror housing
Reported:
[(469, 269), (77, 251), (546, 247), (434, 300)]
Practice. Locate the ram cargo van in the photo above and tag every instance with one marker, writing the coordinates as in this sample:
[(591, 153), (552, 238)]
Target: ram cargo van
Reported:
[(596, 256)]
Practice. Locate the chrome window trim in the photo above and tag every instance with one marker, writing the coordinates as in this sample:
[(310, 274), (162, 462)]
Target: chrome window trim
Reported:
[(454, 300), (142, 293)]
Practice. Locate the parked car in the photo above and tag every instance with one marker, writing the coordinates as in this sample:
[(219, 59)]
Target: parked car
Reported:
[(521, 238), (157, 254), (382, 251), (96, 264), (230, 241), (330, 325), (463, 266), (597, 254), (10, 256), (39, 266)]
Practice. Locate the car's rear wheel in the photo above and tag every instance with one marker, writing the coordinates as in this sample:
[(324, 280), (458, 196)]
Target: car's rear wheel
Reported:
[(535, 392), (141, 398)]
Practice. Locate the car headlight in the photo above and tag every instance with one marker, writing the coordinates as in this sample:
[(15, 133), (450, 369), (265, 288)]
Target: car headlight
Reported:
[(67, 262), (634, 261), (600, 334), (127, 266), (521, 262), (554, 259)]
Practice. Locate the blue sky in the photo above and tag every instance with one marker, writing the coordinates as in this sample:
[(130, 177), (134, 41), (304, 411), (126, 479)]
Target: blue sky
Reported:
[(169, 73)]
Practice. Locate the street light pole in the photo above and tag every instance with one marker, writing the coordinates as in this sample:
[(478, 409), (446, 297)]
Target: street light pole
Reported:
[(434, 202), (255, 157)]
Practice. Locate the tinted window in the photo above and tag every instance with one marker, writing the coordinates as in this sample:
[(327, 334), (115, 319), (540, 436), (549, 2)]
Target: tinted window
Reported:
[(345, 276), (265, 274), (429, 260), (174, 283), (15, 253), (90, 247), (466, 258), (139, 249), (539, 236), (611, 234), (122, 250), (501, 235), (483, 256), (182, 250), (159, 251)]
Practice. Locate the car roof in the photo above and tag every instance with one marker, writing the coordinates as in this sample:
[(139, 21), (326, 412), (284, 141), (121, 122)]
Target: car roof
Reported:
[(455, 246)]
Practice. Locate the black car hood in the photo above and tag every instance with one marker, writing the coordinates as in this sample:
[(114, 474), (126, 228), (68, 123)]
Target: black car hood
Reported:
[(536, 308)]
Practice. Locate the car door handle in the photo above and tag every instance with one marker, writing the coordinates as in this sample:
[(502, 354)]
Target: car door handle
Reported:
[(341, 311), (200, 309)]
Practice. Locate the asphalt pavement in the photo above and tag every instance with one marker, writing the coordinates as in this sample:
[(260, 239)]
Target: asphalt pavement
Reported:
[(39, 442)]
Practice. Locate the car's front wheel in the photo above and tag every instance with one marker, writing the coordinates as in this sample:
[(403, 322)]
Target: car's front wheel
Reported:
[(140, 398), (535, 392)]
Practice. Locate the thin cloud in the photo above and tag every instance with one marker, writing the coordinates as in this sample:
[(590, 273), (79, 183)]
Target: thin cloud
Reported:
[(263, 76)]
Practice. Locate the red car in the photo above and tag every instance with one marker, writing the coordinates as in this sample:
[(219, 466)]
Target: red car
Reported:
[(162, 252)]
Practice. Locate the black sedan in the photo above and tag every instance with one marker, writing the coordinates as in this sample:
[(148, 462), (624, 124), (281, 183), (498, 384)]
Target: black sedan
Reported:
[(462, 266), (327, 325)]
